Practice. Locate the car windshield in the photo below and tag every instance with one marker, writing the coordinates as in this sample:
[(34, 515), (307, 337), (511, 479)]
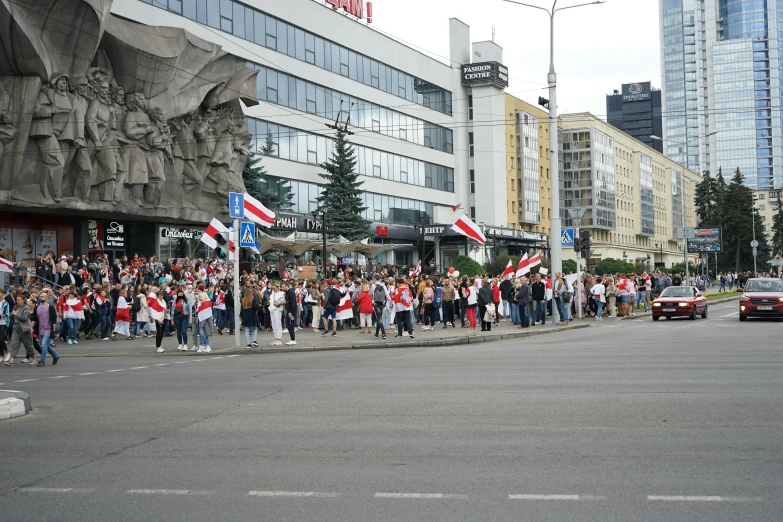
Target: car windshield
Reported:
[(764, 286), (677, 291)]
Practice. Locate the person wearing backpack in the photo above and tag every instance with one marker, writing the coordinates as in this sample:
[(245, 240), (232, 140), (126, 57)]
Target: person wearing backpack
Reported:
[(380, 299), (332, 298)]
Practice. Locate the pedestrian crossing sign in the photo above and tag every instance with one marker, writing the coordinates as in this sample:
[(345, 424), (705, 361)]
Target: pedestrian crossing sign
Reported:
[(247, 235), (567, 237)]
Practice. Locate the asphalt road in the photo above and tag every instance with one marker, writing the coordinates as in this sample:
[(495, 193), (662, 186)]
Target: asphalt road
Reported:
[(628, 420)]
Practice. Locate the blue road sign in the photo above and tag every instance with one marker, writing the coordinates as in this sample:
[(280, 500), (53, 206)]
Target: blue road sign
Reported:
[(567, 237), (236, 205), (247, 235)]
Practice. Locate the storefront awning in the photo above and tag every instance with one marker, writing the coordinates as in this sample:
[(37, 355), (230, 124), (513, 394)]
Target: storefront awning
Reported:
[(267, 243), (371, 251)]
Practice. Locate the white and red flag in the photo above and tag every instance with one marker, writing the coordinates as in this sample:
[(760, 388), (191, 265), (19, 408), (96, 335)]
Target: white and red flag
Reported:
[(6, 265), (466, 227), (75, 306), (210, 234), (509, 271), (416, 271), (255, 211), (204, 310), (523, 266), (534, 261), (155, 308), (345, 308)]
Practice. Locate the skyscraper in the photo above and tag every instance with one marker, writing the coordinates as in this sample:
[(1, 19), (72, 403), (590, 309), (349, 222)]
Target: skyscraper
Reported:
[(636, 110), (721, 72)]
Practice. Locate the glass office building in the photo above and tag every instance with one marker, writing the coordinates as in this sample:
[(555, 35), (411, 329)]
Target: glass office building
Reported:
[(721, 84)]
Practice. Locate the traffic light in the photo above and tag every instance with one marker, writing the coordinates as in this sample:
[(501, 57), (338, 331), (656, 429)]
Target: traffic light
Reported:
[(222, 249), (543, 102), (586, 243), (578, 244)]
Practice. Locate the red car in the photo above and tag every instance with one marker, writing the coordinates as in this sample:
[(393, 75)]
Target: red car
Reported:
[(761, 298), (680, 301)]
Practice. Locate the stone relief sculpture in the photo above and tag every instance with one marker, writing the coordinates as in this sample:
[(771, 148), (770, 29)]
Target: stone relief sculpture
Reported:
[(100, 112)]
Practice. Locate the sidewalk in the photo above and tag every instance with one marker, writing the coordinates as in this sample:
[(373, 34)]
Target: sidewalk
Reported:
[(308, 341)]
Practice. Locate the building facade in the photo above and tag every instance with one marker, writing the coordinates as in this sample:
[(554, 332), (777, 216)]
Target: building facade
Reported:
[(630, 196), (415, 146), (636, 110), (766, 202), (720, 61)]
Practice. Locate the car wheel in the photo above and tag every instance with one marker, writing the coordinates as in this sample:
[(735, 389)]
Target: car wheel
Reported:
[(693, 315), (668, 317), (656, 317), (743, 317), (704, 313)]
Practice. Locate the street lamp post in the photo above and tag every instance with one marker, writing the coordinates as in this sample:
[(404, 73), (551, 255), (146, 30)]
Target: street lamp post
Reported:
[(556, 254), (323, 235)]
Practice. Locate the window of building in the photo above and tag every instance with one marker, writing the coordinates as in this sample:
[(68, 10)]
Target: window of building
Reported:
[(472, 212), (774, 195), (512, 185), (470, 106), (513, 207), (470, 143), (762, 207), (511, 141), (472, 181), (761, 196)]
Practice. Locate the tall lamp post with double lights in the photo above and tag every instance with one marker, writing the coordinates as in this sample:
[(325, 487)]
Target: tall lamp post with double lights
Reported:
[(556, 254)]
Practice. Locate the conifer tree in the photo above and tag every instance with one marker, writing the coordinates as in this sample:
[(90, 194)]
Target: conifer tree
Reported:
[(341, 195), (273, 192)]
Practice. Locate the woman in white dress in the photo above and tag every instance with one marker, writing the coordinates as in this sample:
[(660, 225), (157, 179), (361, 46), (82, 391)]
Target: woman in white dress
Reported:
[(122, 318), (276, 309)]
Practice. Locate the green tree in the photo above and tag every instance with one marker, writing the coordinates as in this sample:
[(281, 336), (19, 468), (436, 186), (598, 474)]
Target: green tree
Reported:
[(777, 231), (273, 192), (613, 266), (569, 266), (466, 266), (707, 201), (341, 196), (737, 221)]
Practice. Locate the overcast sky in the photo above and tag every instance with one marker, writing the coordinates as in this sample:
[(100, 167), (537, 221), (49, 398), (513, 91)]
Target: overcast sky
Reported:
[(597, 47)]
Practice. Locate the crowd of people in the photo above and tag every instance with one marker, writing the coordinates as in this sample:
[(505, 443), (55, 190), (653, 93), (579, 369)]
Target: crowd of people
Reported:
[(74, 299)]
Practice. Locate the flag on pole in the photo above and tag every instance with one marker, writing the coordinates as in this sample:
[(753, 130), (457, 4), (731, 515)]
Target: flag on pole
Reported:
[(466, 227), (456, 207), (509, 271), (522, 267), (255, 211), (534, 261), (416, 271), (6, 265)]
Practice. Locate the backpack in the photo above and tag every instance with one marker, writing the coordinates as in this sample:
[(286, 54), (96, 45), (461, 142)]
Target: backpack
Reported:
[(136, 303), (379, 296), (566, 296), (436, 297), (334, 297)]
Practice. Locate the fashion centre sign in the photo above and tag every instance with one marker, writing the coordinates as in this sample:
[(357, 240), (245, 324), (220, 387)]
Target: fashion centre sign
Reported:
[(485, 73), (357, 8)]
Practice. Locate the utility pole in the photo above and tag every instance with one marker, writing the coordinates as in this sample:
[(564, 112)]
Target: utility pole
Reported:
[(576, 215)]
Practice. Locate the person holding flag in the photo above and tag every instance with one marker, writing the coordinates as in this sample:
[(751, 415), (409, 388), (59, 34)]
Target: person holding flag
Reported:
[(122, 318), (73, 313), (156, 309), (204, 312)]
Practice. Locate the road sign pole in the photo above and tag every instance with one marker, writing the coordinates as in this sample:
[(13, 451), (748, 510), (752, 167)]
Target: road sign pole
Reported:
[(237, 323), (578, 277)]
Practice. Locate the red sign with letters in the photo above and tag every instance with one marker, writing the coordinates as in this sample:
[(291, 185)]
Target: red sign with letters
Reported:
[(382, 231), (353, 7)]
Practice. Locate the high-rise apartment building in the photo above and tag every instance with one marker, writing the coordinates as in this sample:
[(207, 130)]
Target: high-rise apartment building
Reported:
[(636, 110), (720, 61)]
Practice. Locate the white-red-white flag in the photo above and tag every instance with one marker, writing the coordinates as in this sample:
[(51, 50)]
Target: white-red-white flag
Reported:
[(534, 261), (209, 237), (155, 308), (522, 267), (255, 211), (466, 227), (6, 265), (75, 306), (416, 271), (509, 271), (205, 310)]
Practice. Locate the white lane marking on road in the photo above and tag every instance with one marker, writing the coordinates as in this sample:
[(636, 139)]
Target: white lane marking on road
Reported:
[(56, 490), (168, 492), (702, 498), (59, 377), (735, 313), (230, 356), (88, 373), (214, 358), (161, 364), (199, 360), (181, 362), (426, 496), (28, 380), (138, 367), (120, 370), (313, 494), (556, 497)]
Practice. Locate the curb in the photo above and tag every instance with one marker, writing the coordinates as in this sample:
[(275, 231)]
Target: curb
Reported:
[(709, 302), (17, 406), (416, 343)]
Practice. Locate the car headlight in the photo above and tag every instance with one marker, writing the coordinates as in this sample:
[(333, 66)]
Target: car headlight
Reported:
[(744, 298), (681, 305), (659, 304), (780, 299)]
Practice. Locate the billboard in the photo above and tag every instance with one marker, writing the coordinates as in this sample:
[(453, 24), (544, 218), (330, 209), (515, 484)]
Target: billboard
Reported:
[(637, 91), (707, 240), (485, 73)]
